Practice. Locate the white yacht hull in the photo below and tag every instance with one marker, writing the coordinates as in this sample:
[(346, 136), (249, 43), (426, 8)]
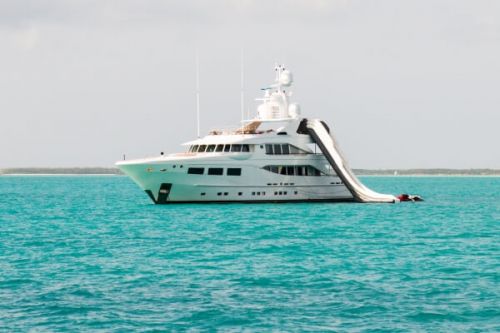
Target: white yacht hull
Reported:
[(167, 181)]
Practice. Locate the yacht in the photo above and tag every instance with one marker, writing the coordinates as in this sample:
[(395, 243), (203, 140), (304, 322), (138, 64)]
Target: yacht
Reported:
[(278, 156)]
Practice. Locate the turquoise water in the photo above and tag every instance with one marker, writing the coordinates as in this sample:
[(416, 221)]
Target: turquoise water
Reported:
[(92, 253)]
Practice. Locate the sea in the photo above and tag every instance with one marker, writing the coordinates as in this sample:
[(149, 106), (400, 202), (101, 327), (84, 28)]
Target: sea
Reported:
[(93, 254)]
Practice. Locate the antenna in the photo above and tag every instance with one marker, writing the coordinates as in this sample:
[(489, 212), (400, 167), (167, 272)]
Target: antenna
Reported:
[(242, 93), (198, 93)]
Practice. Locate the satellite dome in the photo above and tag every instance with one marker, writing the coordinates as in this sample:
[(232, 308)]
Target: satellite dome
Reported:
[(294, 110), (286, 78)]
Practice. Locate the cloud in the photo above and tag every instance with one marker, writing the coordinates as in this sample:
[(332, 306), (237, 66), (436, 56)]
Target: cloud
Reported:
[(27, 38)]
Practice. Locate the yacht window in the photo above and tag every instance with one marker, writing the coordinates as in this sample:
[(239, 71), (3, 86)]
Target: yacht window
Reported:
[(210, 148), (235, 148), (219, 148), (215, 171), (196, 171), (202, 148), (296, 150), (290, 170), (285, 149), (194, 148), (227, 148), (269, 149), (277, 149), (234, 171), (245, 148)]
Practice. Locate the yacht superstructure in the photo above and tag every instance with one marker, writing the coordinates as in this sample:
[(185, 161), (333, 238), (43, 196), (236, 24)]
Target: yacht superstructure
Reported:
[(278, 156)]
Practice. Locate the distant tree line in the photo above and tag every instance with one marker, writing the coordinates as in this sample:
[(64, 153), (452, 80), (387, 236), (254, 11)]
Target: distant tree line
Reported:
[(428, 172), (61, 171), (362, 172)]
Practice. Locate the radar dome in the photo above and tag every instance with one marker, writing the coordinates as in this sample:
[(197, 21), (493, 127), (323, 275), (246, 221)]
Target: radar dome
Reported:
[(286, 78), (294, 110)]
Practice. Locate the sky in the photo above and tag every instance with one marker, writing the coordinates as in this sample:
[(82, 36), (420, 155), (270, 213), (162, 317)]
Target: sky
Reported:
[(403, 84)]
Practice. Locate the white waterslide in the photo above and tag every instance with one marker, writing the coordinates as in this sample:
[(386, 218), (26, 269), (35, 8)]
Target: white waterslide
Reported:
[(329, 147)]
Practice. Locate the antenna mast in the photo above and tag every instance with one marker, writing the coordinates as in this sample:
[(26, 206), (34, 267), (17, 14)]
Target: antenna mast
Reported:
[(242, 94), (197, 93)]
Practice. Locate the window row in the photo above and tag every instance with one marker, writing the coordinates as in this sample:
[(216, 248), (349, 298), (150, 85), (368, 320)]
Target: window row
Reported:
[(283, 149), (253, 193), (215, 171), (294, 170), (236, 148)]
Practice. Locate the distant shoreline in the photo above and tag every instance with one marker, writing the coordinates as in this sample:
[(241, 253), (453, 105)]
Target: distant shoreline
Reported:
[(101, 171)]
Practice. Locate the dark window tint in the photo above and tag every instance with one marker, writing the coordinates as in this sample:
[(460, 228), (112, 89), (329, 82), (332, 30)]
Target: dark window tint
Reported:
[(194, 148), (196, 171), (219, 148), (236, 148), (245, 148), (210, 148), (227, 148), (202, 149), (277, 149), (215, 171), (300, 170), (234, 171), (285, 149), (269, 149)]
